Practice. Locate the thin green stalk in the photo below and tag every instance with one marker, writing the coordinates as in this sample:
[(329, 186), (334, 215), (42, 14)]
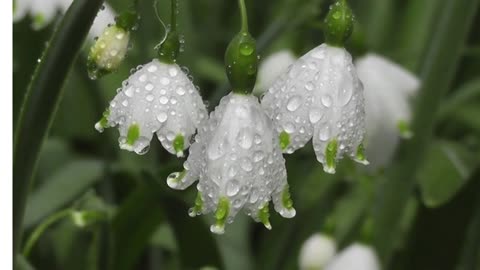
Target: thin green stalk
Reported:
[(41, 229), (243, 12), (454, 24), (173, 18), (42, 99)]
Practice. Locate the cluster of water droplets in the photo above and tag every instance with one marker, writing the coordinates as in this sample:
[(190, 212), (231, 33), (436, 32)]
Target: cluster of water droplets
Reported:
[(236, 156), (320, 96), (108, 52), (158, 98)]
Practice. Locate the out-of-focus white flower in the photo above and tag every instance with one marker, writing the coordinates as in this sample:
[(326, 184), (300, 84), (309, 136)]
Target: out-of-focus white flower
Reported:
[(238, 163), (44, 11), (316, 252), (273, 66), (355, 257), (320, 96), (388, 88), (158, 98)]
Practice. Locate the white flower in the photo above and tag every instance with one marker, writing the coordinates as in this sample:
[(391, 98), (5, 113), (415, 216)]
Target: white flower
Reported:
[(157, 98), (316, 252), (272, 67), (44, 11), (320, 96), (238, 163), (388, 88), (355, 257)]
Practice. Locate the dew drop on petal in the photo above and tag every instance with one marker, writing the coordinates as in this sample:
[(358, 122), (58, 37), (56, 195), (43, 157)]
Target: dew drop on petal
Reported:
[(293, 103), (149, 97), (324, 133), (327, 100), (172, 71), (129, 92), (165, 81), (163, 100), (181, 91), (246, 164), (245, 138), (162, 117), (152, 68), (315, 115), (233, 187)]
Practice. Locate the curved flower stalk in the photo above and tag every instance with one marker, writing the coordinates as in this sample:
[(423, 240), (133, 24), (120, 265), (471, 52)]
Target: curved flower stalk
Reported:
[(158, 97), (316, 252), (355, 257), (238, 163), (321, 97), (44, 11), (272, 67), (236, 155), (388, 88)]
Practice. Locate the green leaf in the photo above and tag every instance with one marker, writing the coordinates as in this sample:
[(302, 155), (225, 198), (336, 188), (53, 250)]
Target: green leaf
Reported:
[(470, 254), (446, 169), (63, 187), (461, 96), (42, 99), (22, 263)]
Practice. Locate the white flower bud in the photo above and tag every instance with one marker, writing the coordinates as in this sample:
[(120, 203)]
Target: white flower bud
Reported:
[(108, 52), (157, 98), (238, 163), (320, 96), (316, 252), (355, 257), (273, 66), (388, 88)]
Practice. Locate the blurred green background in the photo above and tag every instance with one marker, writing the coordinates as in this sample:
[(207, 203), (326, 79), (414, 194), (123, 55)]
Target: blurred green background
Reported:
[(140, 224)]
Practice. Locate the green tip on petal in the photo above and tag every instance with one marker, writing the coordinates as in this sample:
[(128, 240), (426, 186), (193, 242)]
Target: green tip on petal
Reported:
[(103, 122), (286, 198), (404, 129), (360, 155), (221, 214), (338, 24), (198, 207), (38, 21), (174, 178), (284, 140), (178, 145), (331, 156), (264, 215), (133, 134)]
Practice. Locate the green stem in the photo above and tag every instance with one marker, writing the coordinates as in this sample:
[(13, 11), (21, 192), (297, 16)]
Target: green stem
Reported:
[(42, 99), (173, 18), (243, 13), (41, 229), (440, 66)]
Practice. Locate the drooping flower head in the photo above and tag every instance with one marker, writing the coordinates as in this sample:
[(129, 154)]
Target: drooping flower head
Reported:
[(236, 156), (110, 48), (158, 97), (388, 90), (317, 251), (321, 98)]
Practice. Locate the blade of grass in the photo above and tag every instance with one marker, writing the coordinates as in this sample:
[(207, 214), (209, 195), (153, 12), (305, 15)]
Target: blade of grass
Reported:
[(439, 69), (41, 101)]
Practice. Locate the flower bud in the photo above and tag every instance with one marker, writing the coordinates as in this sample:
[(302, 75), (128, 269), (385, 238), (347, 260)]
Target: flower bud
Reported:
[(316, 252)]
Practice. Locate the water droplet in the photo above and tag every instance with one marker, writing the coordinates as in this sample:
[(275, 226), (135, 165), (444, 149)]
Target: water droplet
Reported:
[(246, 164), (232, 171), (293, 103), (245, 138), (162, 117), (345, 95), (149, 87), (181, 91), (259, 155), (336, 15), (163, 100), (289, 127), (254, 194), (113, 52), (149, 97), (324, 133), (327, 100), (129, 92), (152, 68), (120, 35), (172, 71), (125, 103), (309, 86), (233, 187), (246, 49), (142, 78), (315, 115), (165, 81)]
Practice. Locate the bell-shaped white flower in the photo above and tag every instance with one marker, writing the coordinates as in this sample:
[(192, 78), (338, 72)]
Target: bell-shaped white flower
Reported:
[(157, 98), (355, 257), (316, 252), (272, 67), (388, 89), (44, 11), (320, 96), (238, 163)]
